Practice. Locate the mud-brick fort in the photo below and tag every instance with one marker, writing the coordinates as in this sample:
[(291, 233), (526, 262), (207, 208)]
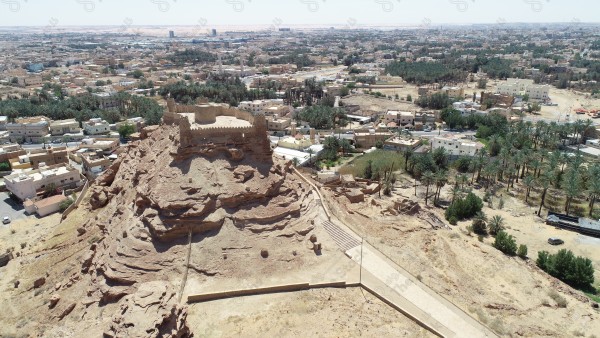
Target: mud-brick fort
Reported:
[(217, 127)]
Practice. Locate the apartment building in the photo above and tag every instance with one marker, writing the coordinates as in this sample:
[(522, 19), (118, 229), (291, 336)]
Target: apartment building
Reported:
[(278, 124), (30, 129), (33, 80), (39, 157), (96, 126), (263, 106), (456, 146), (93, 164), (107, 101), (62, 127), (520, 87), (454, 91), (28, 184)]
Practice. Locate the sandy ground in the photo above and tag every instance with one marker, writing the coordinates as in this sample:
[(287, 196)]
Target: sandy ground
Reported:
[(381, 105), (314, 313), (509, 295)]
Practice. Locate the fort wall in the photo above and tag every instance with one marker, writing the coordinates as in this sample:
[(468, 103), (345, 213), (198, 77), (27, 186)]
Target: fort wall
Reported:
[(253, 138)]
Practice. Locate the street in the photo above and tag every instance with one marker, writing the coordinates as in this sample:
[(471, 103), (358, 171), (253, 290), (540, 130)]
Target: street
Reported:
[(11, 208)]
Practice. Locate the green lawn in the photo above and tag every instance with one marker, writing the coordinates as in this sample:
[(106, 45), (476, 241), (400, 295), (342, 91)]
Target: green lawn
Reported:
[(380, 158)]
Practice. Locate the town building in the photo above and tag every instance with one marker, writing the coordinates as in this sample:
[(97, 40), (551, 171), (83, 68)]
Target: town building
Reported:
[(400, 118), (107, 101), (456, 146), (96, 126), (93, 164), (10, 151), (520, 87), (278, 123), (45, 206), (28, 184), (40, 157), (454, 92), (267, 107), (26, 81), (62, 127), (30, 129), (106, 145), (370, 138), (401, 144)]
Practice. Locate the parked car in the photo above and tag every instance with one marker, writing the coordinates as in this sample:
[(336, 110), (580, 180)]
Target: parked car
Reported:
[(555, 241), (6, 220)]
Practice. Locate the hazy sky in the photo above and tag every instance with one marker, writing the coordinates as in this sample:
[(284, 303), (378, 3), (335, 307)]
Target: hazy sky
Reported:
[(352, 13)]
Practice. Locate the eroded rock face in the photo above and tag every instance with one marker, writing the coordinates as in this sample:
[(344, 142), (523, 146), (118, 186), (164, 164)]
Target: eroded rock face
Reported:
[(151, 312), (147, 204)]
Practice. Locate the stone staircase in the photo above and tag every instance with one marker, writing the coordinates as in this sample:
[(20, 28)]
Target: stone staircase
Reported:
[(344, 240)]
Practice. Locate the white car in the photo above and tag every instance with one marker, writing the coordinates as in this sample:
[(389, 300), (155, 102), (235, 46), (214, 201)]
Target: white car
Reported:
[(6, 220)]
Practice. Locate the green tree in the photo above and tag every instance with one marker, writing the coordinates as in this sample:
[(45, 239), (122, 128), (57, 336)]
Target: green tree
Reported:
[(505, 243), (125, 130), (522, 251)]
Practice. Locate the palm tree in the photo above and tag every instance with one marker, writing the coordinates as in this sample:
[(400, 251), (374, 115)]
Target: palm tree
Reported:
[(462, 180), (593, 186), (528, 182), (441, 177), (408, 153), (496, 224), (427, 179), (479, 223), (544, 180), (571, 186)]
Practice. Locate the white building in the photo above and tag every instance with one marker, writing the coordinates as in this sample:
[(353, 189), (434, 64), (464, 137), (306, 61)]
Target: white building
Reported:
[(267, 107), (519, 87), (96, 126), (456, 146), (28, 184)]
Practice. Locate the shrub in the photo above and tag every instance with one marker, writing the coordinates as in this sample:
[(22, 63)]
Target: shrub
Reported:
[(575, 271), (453, 220), (560, 300), (505, 243), (522, 251), (464, 208), (64, 205)]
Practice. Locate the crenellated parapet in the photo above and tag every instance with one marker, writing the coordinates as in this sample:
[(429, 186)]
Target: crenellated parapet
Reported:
[(199, 132)]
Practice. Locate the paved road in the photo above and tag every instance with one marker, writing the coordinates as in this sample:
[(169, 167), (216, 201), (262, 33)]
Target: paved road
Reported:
[(10, 208)]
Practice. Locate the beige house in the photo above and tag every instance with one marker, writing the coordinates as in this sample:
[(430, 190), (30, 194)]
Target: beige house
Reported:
[(31, 129), (278, 124), (94, 164), (369, 139), (62, 127), (401, 118), (45, 206), (25, 81), (27, 184)]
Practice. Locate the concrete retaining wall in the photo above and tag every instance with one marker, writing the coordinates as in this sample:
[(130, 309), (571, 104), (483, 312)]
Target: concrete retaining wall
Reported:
[(266, 290)]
